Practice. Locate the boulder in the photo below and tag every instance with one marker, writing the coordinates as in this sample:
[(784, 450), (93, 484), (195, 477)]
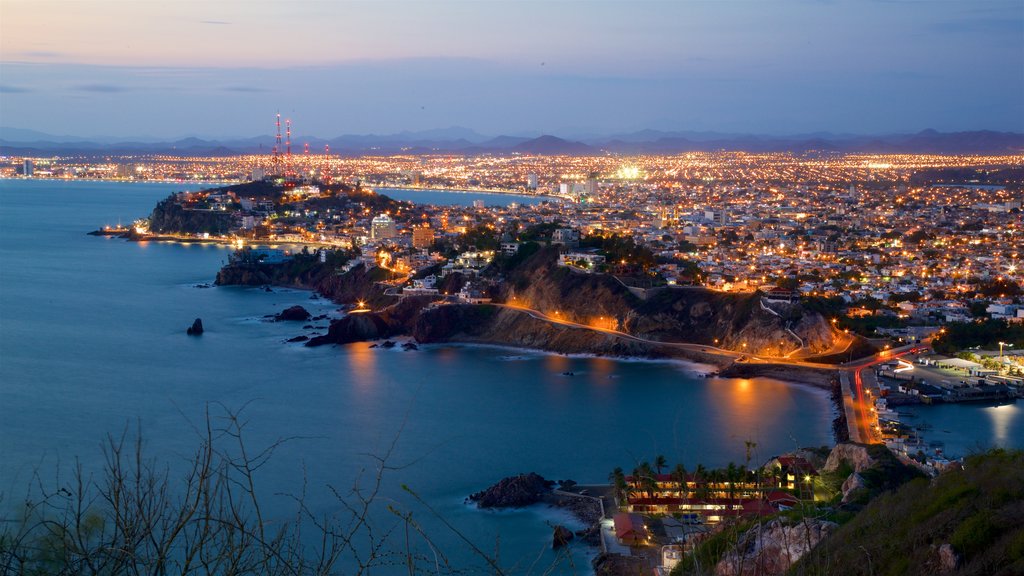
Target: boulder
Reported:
[(949, 560), (853, 486), (295, 313), (196, 329), (513, 492), (561, 536), (410, 346), (298, 339), (855, 454)]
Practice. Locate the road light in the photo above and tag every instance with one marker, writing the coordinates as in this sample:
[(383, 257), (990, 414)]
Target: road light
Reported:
[(1001, 344)]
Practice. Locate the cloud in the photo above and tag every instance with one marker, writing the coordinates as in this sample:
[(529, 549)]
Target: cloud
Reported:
[(216, 22), (102, 88), (8, 89)]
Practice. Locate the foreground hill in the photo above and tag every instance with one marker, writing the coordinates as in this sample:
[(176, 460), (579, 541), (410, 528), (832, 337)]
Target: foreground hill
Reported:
[(967, 522)]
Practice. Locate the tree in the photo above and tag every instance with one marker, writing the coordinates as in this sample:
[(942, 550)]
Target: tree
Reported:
[(679, 475), (137, 517), (660, 462)]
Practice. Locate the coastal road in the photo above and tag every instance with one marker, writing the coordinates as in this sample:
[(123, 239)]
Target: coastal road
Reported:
[(729, 355), (865, 424)]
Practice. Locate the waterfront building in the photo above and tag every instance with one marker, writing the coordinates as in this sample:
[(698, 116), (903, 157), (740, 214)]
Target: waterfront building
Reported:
[(531, 181), (711, 499), (28, 168)]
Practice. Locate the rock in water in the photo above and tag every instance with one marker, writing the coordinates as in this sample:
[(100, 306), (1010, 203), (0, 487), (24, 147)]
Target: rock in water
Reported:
[(514, 492), (561, 536), (196, 329), (297, 313)]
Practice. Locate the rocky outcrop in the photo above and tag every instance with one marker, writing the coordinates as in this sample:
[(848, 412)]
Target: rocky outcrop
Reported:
[(855, 454), (561, 536), (510, 327), (514, 492), (853, 487), (664, 315), (770, 549), (354, 328), (196, 329), (169, 216), (683, 314), (946, 560), (293, 314)]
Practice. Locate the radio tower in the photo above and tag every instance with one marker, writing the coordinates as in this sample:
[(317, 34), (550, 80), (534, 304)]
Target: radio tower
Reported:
[(277, 145), (327, 149), (288, 138), (306, 151)]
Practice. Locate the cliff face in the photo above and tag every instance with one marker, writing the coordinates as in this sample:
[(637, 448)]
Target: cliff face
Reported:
[(742, 322), (773, 548), (306, 272), (503, 326), (168, 216)]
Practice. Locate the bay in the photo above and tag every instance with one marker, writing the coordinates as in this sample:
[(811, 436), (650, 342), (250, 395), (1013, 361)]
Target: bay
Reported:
[(92, 340)]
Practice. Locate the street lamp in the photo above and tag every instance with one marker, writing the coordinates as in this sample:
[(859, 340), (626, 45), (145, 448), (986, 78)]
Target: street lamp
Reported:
[(1001, 344)]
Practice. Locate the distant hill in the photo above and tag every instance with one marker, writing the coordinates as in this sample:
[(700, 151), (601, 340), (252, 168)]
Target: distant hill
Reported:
[(458, 140), (553, 145)]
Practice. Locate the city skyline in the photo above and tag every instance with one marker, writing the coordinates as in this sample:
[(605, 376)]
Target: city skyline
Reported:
[(215, 69)]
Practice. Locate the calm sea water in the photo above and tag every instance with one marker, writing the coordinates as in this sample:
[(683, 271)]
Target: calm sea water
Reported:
[(964, 429), (92, 338)]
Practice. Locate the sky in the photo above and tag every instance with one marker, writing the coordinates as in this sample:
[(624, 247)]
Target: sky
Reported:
[(210, 68)]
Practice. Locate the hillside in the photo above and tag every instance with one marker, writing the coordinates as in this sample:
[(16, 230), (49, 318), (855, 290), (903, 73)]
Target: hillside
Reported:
[(733, 321), (690, 315), (967, 522)]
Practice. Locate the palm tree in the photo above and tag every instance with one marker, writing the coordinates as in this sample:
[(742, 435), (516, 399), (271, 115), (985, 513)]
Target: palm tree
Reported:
[(678, 474), (660, 462), (750, 446)]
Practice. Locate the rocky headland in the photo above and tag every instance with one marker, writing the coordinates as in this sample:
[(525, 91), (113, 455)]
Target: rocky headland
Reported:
[(656, 320)]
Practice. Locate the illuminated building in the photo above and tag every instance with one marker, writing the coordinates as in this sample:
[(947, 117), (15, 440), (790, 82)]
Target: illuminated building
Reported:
[(383, 226)]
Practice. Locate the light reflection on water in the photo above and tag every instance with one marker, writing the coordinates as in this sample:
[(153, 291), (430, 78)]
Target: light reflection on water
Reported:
[(1002, 417)]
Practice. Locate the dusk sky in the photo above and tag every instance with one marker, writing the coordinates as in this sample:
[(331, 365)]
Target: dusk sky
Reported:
[(222, 69)]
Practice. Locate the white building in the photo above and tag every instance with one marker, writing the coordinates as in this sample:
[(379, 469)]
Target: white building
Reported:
[(383, 226)]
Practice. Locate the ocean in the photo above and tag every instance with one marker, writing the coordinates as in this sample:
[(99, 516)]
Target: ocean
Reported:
[(93, 343)]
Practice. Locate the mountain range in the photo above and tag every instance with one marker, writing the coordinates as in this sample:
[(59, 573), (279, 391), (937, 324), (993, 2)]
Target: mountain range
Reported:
[(464, 141)]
